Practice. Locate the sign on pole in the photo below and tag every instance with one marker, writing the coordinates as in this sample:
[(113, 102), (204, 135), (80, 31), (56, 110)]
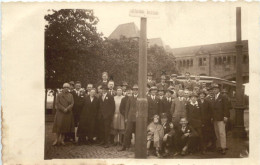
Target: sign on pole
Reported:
[(145, 13)]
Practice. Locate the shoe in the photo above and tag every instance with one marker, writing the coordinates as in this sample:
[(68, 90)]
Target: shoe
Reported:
[(62, 143), (158, 154), (122, 149), (101, 143), (55, 143), (176, 154), (183, 153), (223, 152), (106, 146)]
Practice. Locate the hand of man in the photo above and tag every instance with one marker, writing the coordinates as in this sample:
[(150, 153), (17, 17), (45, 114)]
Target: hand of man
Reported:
[(187, 134), (65, 110), (225, 119), (165, 137)]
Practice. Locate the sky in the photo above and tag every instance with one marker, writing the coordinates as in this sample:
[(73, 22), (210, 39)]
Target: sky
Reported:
[(179, 24)]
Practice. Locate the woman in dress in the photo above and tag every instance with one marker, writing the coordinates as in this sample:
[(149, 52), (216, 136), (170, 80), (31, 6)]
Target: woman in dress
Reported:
[(118, 120), (63, 122)]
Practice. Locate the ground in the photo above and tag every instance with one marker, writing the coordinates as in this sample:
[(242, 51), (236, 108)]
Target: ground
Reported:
[(71, 151)]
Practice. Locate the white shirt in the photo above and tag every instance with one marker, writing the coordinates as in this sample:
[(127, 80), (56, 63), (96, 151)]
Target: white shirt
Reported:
[(196, 103), (104, 96), (135, 96), (216, 96), (168, 99), (153, 97), (92, 98)]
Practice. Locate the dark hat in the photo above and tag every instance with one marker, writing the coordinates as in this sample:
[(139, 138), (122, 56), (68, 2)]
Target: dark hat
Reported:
[(149, 74), (173, 75), (164, 115), (104, 87), (71, 83), (135, 86), (193, 94), (118, 87), (170, 90), (202, 92), (124, 83), (161, 89), (153, 88), (128, 88), (224, 91), (215, 86)]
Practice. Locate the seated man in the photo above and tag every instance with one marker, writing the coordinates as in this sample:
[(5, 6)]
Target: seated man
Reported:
[(185, 137), (169, 132), (155, 134)]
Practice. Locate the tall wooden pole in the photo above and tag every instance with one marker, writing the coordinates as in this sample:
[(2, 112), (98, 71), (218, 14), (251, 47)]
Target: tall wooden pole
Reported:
[(239, 130), (142, 105)]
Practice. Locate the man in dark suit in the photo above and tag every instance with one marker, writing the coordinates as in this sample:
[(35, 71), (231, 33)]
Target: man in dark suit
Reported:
[(208, 128), (106, 112), (78, 97), (124, 100), (104, 80), (150, 80), (184, 138), (167, 104), (111, 85), (153, 104), (221, 114), (175, 83), (161, 100), (130, 116), (163, 83)]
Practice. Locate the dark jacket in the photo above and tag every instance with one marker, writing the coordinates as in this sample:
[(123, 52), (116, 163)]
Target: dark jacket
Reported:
[(206, 112), (78, 101), (194, 115), (153, 107), (107, 107), (220, 108), (130, 110), (122, 107)]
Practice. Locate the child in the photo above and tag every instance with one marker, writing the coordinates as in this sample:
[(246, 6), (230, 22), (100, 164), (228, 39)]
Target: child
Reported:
[(168, 134), (155, 134)]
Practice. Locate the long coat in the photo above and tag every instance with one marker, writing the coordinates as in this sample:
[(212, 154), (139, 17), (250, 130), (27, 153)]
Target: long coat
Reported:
[(130, 109), (194, 115), (167, 107), (220, 108), (88, 117), (153, 107), (207, 112), (107, 107), (78, 104), (178, 110), (64, 121)]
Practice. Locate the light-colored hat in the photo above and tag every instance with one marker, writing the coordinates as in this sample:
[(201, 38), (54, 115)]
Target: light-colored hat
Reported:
[(66, 85)]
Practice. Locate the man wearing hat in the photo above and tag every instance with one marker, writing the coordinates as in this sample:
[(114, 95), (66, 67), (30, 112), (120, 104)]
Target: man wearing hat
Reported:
[(106, 113), (188, 83), (208, 133), (174, 82), (153, 103), (124, 87), (178, 109), (221, 114), (167, 103), (71, 86), (150, 80), (163, 83), (195, 118), (161, 100), (130, 117)]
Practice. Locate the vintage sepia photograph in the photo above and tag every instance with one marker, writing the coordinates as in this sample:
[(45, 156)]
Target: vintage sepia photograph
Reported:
[(166, 82)]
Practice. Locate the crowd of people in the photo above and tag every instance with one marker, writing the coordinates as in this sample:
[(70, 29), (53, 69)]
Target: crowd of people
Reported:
[(183, 117)]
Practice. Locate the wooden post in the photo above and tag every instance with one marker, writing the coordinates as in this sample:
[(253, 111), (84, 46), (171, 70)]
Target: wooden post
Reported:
[(142, 105), (239, 130)]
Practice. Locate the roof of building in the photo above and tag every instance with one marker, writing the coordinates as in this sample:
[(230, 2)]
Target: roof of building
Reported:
[(128, 30), (155, 41), (206, 49)]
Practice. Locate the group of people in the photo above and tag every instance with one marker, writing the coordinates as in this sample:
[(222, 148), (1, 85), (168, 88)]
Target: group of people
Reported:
[(183, 117)]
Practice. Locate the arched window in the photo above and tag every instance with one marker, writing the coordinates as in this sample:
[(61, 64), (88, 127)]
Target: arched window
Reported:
[(224, 59), (188, 63), (216, 61), (200, 61), (184, 63), (191, 62), (245, 59), (228, 59), (180, 63), (220, 60)]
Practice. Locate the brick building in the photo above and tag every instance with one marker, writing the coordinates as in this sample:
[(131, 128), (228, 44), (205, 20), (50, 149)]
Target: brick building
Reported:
[(217, 60)]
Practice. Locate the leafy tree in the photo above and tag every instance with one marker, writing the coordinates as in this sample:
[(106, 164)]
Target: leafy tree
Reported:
[(72, 45)]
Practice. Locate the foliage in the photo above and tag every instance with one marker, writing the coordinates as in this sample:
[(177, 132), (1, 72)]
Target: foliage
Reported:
[(74, 50)]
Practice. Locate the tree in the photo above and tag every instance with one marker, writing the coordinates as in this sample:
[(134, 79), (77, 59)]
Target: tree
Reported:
[(72, 46)]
